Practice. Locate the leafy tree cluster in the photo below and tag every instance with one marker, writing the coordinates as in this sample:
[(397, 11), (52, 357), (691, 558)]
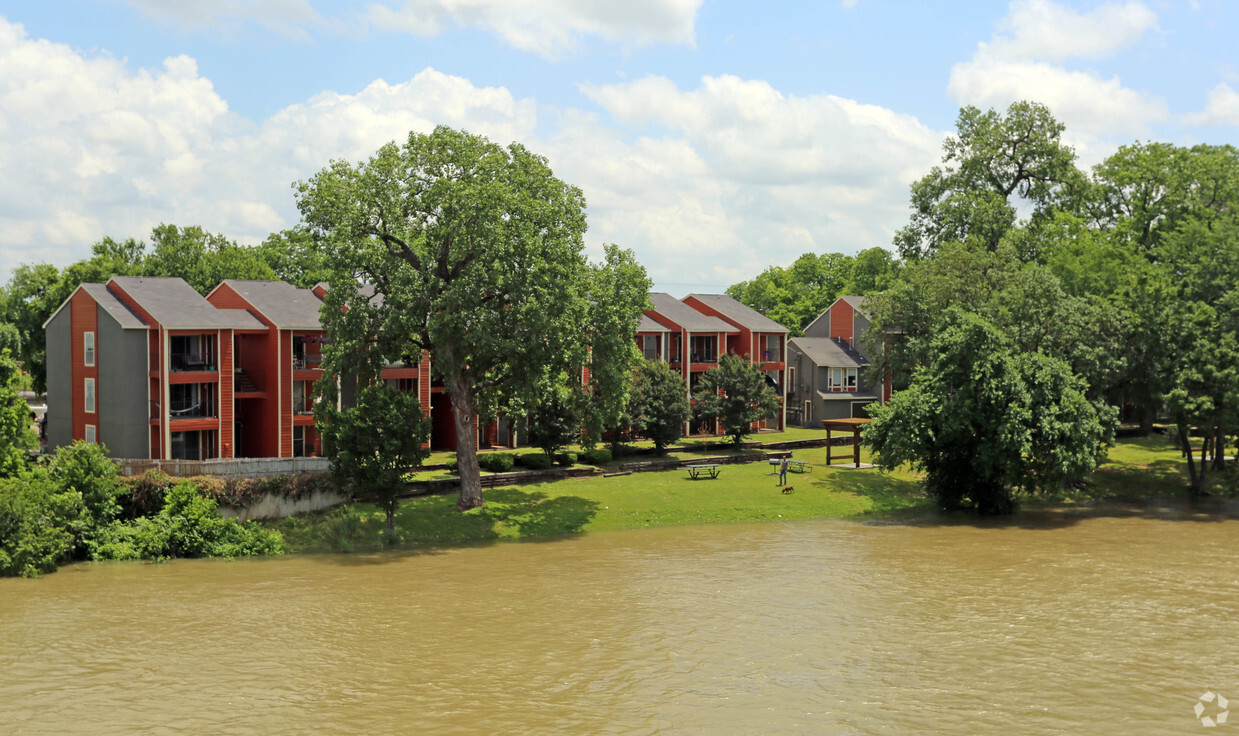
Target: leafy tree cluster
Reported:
[(1126, 278), (71, 509), (796, 295), (736, 394)]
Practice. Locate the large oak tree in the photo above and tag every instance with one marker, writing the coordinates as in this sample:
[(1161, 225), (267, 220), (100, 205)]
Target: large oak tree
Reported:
[(474, 252)]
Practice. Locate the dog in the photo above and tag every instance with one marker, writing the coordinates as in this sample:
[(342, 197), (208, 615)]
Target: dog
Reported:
[(789, 489)]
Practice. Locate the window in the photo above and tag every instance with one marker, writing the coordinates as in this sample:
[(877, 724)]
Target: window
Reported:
[(88, 345), (773, 354), (90, 434), (649, 347), (90, 396), (843, 379), (791, 380), (299, 442), (808, 412)]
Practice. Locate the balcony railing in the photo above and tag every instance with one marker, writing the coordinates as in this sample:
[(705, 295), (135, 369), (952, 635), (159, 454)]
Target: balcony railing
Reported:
[(704, 358), (310, 362), (191, 362), (773, 356), (191, 410)]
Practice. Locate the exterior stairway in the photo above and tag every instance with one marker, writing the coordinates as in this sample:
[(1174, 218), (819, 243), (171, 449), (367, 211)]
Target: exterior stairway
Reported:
[(243, 384)]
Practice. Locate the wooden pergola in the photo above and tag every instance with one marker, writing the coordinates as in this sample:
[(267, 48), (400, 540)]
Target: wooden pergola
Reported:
[(854, 426)]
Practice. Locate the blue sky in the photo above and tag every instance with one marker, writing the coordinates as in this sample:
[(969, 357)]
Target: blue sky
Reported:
[(712, 138)]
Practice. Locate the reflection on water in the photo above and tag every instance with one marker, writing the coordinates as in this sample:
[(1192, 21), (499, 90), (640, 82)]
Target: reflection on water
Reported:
[(1051, 623)]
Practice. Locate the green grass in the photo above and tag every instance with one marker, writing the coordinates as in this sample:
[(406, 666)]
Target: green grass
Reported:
[(1136, 468)]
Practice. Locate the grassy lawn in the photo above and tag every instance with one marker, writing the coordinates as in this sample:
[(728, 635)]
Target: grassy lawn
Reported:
[(1137, 468)]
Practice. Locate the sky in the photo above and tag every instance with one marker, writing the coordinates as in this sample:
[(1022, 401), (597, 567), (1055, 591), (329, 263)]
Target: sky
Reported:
[(714, 139)]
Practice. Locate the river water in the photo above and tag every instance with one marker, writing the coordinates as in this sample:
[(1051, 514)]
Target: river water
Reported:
[(1049, 623)]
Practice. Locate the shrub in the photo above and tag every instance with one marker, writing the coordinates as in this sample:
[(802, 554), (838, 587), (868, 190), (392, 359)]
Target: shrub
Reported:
[(453, 465), (535, 460), (36, 522), (496, 462), (597, 456), (565, 459)]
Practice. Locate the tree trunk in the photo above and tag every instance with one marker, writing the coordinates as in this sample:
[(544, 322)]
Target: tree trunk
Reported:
[(466, 445), (1185, 442), (391, 521), (1219, 449)]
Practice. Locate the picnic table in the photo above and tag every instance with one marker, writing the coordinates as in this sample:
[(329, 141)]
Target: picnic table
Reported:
[(701, 471), (800, 466)]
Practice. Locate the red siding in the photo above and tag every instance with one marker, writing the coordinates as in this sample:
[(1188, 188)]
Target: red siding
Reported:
[(83, 318), (841, 320), (227, 383)]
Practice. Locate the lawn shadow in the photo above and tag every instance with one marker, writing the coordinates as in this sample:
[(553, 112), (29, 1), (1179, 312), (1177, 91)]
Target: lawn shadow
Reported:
[(888, 493), (537, 517)]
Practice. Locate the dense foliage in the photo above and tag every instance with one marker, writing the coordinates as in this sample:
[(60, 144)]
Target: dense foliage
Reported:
[(77, 508), (374, 443), (659, 405), (472, 249)]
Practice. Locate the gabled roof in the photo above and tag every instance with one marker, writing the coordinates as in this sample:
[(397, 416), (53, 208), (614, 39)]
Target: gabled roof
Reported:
[(648, 324), (175, 305), (739, 312), (823, 351), (115, 308), (857, 303), (281, 303), (687, 317)]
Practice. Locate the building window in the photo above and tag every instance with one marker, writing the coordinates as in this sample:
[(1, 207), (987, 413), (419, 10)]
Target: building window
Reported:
[(88, 348), (842, 379), (299, 442), (773, 353), (90, 396), (90, 434), (791, 380), (649, 347), (808, 412)]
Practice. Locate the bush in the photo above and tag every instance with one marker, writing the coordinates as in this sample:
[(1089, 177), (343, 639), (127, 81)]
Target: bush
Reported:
[(565, 459), (36, 523), (453, 465), (496, 462), (535, 460), (597, 456)]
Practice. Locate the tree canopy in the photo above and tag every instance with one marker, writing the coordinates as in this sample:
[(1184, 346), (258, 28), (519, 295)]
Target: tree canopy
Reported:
[(735, 393), (477, 253)]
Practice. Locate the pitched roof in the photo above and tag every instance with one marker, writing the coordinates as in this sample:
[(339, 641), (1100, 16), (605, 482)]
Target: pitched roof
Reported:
[(283, 304), (838, 395), (175, 305), (648, 324), (687, 317), (857, 302), (823, 351), (115, 308), (746, 316)]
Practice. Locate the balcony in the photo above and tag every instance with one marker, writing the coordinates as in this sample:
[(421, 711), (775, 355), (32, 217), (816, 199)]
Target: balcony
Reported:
[(191, 409), (307, 362), (181, 362), (772, 356)]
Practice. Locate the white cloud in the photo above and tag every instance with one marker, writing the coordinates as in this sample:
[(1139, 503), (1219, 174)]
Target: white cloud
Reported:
[(743, 176), (1040, 29), (1221, 108), (285, 17), (549, 28), (708, 185), (1024, 65)]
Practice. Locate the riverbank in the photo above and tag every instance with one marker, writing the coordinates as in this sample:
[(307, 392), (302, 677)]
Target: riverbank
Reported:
[(1139, 468)]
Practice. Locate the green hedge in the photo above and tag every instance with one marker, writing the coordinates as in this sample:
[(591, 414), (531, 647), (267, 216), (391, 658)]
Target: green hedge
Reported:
[(535, 460), (596, 456), (496, 462), (565, 459)]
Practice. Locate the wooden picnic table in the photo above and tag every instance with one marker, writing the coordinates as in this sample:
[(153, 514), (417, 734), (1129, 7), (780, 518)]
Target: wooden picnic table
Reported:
[(699, 471), (800, 466)]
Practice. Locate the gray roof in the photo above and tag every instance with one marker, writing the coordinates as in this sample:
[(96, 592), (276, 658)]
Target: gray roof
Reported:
[(115, 308), (647, 324), (823, 351), (840, 395), (175, 305), (857, 302), (687, 317), (283, 304), (741, 313)]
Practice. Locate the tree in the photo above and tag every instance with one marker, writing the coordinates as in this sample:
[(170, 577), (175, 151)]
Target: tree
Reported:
[(736, 393), (295, 257), (796, 295), (982, 420), (556, 422), (373, 444), (202, 259), (618, 289), (16, 437), (992, 158), (659, 406), (29, 299), (476, 251)]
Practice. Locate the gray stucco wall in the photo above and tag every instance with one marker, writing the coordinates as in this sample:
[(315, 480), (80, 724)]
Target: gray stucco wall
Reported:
[(124, 408), (59, 381)]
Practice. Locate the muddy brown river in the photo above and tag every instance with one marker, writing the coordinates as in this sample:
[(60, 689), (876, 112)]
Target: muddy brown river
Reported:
[(1112, 622)]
